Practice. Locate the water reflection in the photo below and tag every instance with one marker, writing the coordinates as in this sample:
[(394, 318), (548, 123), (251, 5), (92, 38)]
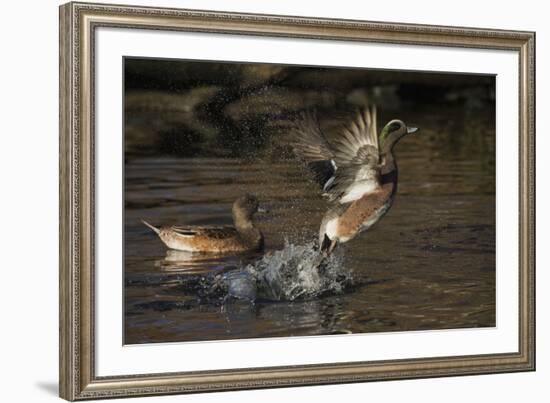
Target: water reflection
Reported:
[(181, 261)]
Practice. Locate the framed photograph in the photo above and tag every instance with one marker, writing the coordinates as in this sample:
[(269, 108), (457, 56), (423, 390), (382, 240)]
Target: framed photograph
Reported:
[(233, 215)]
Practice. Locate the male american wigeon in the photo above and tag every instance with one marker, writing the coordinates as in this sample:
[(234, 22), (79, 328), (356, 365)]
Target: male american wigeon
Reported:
[(356, 169), (244, 236)]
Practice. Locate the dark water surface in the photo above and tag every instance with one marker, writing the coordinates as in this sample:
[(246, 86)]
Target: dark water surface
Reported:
[(428, 264)]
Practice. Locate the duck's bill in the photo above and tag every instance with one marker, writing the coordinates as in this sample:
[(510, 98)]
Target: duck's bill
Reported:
[(411, 129)]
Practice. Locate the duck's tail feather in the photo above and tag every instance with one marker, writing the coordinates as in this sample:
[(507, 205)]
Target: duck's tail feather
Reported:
[(157, 230)]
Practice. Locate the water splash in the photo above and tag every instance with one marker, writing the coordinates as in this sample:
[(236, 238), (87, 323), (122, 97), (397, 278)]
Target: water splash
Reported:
[(293, 273), (296, 272)]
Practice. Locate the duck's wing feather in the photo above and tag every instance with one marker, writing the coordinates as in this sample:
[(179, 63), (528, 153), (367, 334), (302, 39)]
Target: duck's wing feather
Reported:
[(352, 182), (357, 159), (210, 232), (308, 139), (357, 142), (347, 167), (310, 145)]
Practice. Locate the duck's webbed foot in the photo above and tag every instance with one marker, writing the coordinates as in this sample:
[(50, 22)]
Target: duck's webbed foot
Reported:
[(328, 245)]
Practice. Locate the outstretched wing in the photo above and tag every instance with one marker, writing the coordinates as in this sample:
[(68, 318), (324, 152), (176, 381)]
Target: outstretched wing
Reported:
[(308, 140), (357, 158), (348, 166), (357, 143), (310, 144)]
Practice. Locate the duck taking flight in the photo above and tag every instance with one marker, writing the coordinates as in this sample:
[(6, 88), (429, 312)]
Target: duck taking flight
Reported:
[(244, 236), (356, 169)]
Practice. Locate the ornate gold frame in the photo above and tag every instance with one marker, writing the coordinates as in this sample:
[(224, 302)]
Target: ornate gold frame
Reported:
[(78, 21)]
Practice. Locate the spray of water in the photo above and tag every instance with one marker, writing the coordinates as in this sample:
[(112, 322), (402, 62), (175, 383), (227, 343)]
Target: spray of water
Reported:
[(293, 273)]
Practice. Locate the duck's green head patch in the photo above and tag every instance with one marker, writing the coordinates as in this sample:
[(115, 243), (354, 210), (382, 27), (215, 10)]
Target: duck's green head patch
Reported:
[(387, 130)]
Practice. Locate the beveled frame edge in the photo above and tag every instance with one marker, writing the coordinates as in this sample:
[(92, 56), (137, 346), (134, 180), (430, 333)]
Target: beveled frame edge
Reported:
[(76, 370)]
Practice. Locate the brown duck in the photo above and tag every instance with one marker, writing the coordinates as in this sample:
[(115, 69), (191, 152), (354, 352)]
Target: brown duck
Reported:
[(244, 236), (356, 169)]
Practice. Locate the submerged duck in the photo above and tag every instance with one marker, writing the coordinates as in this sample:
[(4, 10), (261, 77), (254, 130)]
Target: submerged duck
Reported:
[(356, 169), (244, 236)]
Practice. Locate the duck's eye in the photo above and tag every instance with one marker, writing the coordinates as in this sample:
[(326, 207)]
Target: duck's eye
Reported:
[(394, 126)]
